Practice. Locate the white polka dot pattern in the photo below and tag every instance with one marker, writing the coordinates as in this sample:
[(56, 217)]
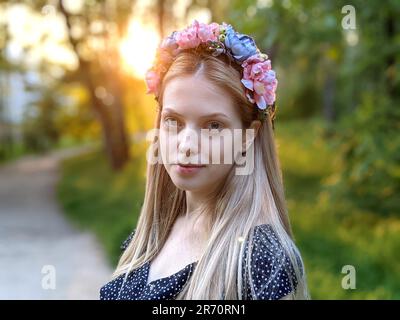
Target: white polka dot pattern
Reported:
[(269, 264), (270, 267)]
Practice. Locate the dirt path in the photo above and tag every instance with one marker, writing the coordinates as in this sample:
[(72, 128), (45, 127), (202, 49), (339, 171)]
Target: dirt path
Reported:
[(38, 247)]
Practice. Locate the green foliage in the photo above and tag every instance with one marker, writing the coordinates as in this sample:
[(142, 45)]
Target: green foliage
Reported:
[(304, 41), (39, 130), (58, 114), (97, 198), (369, 144), (331, 232)]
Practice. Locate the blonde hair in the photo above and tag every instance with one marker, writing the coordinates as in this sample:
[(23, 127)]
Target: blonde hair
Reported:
[(241, 202)]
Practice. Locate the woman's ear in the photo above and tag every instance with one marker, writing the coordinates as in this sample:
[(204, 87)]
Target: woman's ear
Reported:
[(255, 125)]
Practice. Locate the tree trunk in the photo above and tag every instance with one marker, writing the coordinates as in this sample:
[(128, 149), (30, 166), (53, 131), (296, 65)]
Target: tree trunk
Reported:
[(111, 115), (160, 9), (112, 122)]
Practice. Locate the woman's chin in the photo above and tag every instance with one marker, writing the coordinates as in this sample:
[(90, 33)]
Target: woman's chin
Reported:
[(192, 184)]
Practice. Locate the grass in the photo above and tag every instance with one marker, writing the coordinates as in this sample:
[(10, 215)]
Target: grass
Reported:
[(12, 152), (333, 234), (98, 199), (329, 233)]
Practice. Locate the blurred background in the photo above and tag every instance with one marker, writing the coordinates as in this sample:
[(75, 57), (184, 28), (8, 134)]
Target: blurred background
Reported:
[(74, 114)]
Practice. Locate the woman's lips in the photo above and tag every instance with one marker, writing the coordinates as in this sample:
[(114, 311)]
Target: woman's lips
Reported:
[(189, 168)]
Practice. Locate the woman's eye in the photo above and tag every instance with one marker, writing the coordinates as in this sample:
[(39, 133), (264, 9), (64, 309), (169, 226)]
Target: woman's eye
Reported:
[(214, 125), (171, 122)]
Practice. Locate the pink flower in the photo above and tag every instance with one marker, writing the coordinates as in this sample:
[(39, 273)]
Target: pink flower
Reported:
[(259, 78), (197, 33), (152, 82), (208, 32), (187, 38), (169, 46)]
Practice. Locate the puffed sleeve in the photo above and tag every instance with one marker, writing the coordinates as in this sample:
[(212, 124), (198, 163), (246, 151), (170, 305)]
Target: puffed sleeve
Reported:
[(126, 242), (272, 272)]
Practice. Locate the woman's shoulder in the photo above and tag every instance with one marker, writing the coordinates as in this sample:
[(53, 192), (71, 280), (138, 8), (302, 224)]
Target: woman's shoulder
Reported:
[(271, 269)]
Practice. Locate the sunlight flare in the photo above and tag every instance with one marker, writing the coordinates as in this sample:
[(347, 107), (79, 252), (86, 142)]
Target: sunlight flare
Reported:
[(138, 48)]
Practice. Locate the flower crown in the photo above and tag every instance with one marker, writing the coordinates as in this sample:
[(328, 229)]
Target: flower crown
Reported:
[(258, 78)]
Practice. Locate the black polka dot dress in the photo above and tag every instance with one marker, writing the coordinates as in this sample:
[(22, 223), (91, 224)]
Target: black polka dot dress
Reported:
[(272, 274)]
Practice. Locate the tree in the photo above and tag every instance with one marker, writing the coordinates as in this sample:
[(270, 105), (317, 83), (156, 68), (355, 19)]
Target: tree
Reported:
[(100, 72)]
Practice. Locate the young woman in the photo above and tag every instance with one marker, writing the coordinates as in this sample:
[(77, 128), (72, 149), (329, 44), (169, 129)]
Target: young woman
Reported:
[(207, 230)]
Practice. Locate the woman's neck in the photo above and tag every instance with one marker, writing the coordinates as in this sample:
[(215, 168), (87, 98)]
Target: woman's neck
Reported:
[(194, 200), (196, 218)]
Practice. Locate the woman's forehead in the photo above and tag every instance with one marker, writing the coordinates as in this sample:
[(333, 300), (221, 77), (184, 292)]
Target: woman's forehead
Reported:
[(196, 95)]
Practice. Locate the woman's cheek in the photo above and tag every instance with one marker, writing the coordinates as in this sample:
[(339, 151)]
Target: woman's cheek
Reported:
[(168, 147)]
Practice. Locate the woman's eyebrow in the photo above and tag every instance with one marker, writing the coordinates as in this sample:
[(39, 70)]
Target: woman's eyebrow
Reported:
[(215, 114), (168, 110)]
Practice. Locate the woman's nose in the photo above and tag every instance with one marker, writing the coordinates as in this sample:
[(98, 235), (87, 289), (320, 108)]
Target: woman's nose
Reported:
[(188, 142)]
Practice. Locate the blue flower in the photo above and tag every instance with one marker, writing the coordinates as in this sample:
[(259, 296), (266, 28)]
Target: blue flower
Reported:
[(241, 46)]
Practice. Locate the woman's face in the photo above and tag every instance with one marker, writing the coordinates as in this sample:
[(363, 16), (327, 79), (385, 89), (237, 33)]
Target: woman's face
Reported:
[(190, 104)]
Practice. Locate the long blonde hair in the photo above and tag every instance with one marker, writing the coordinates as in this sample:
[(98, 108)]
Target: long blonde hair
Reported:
[(241, 203)]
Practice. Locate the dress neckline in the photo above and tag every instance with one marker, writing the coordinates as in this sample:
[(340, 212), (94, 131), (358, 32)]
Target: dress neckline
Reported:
[(147, 269), (190, 265)]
